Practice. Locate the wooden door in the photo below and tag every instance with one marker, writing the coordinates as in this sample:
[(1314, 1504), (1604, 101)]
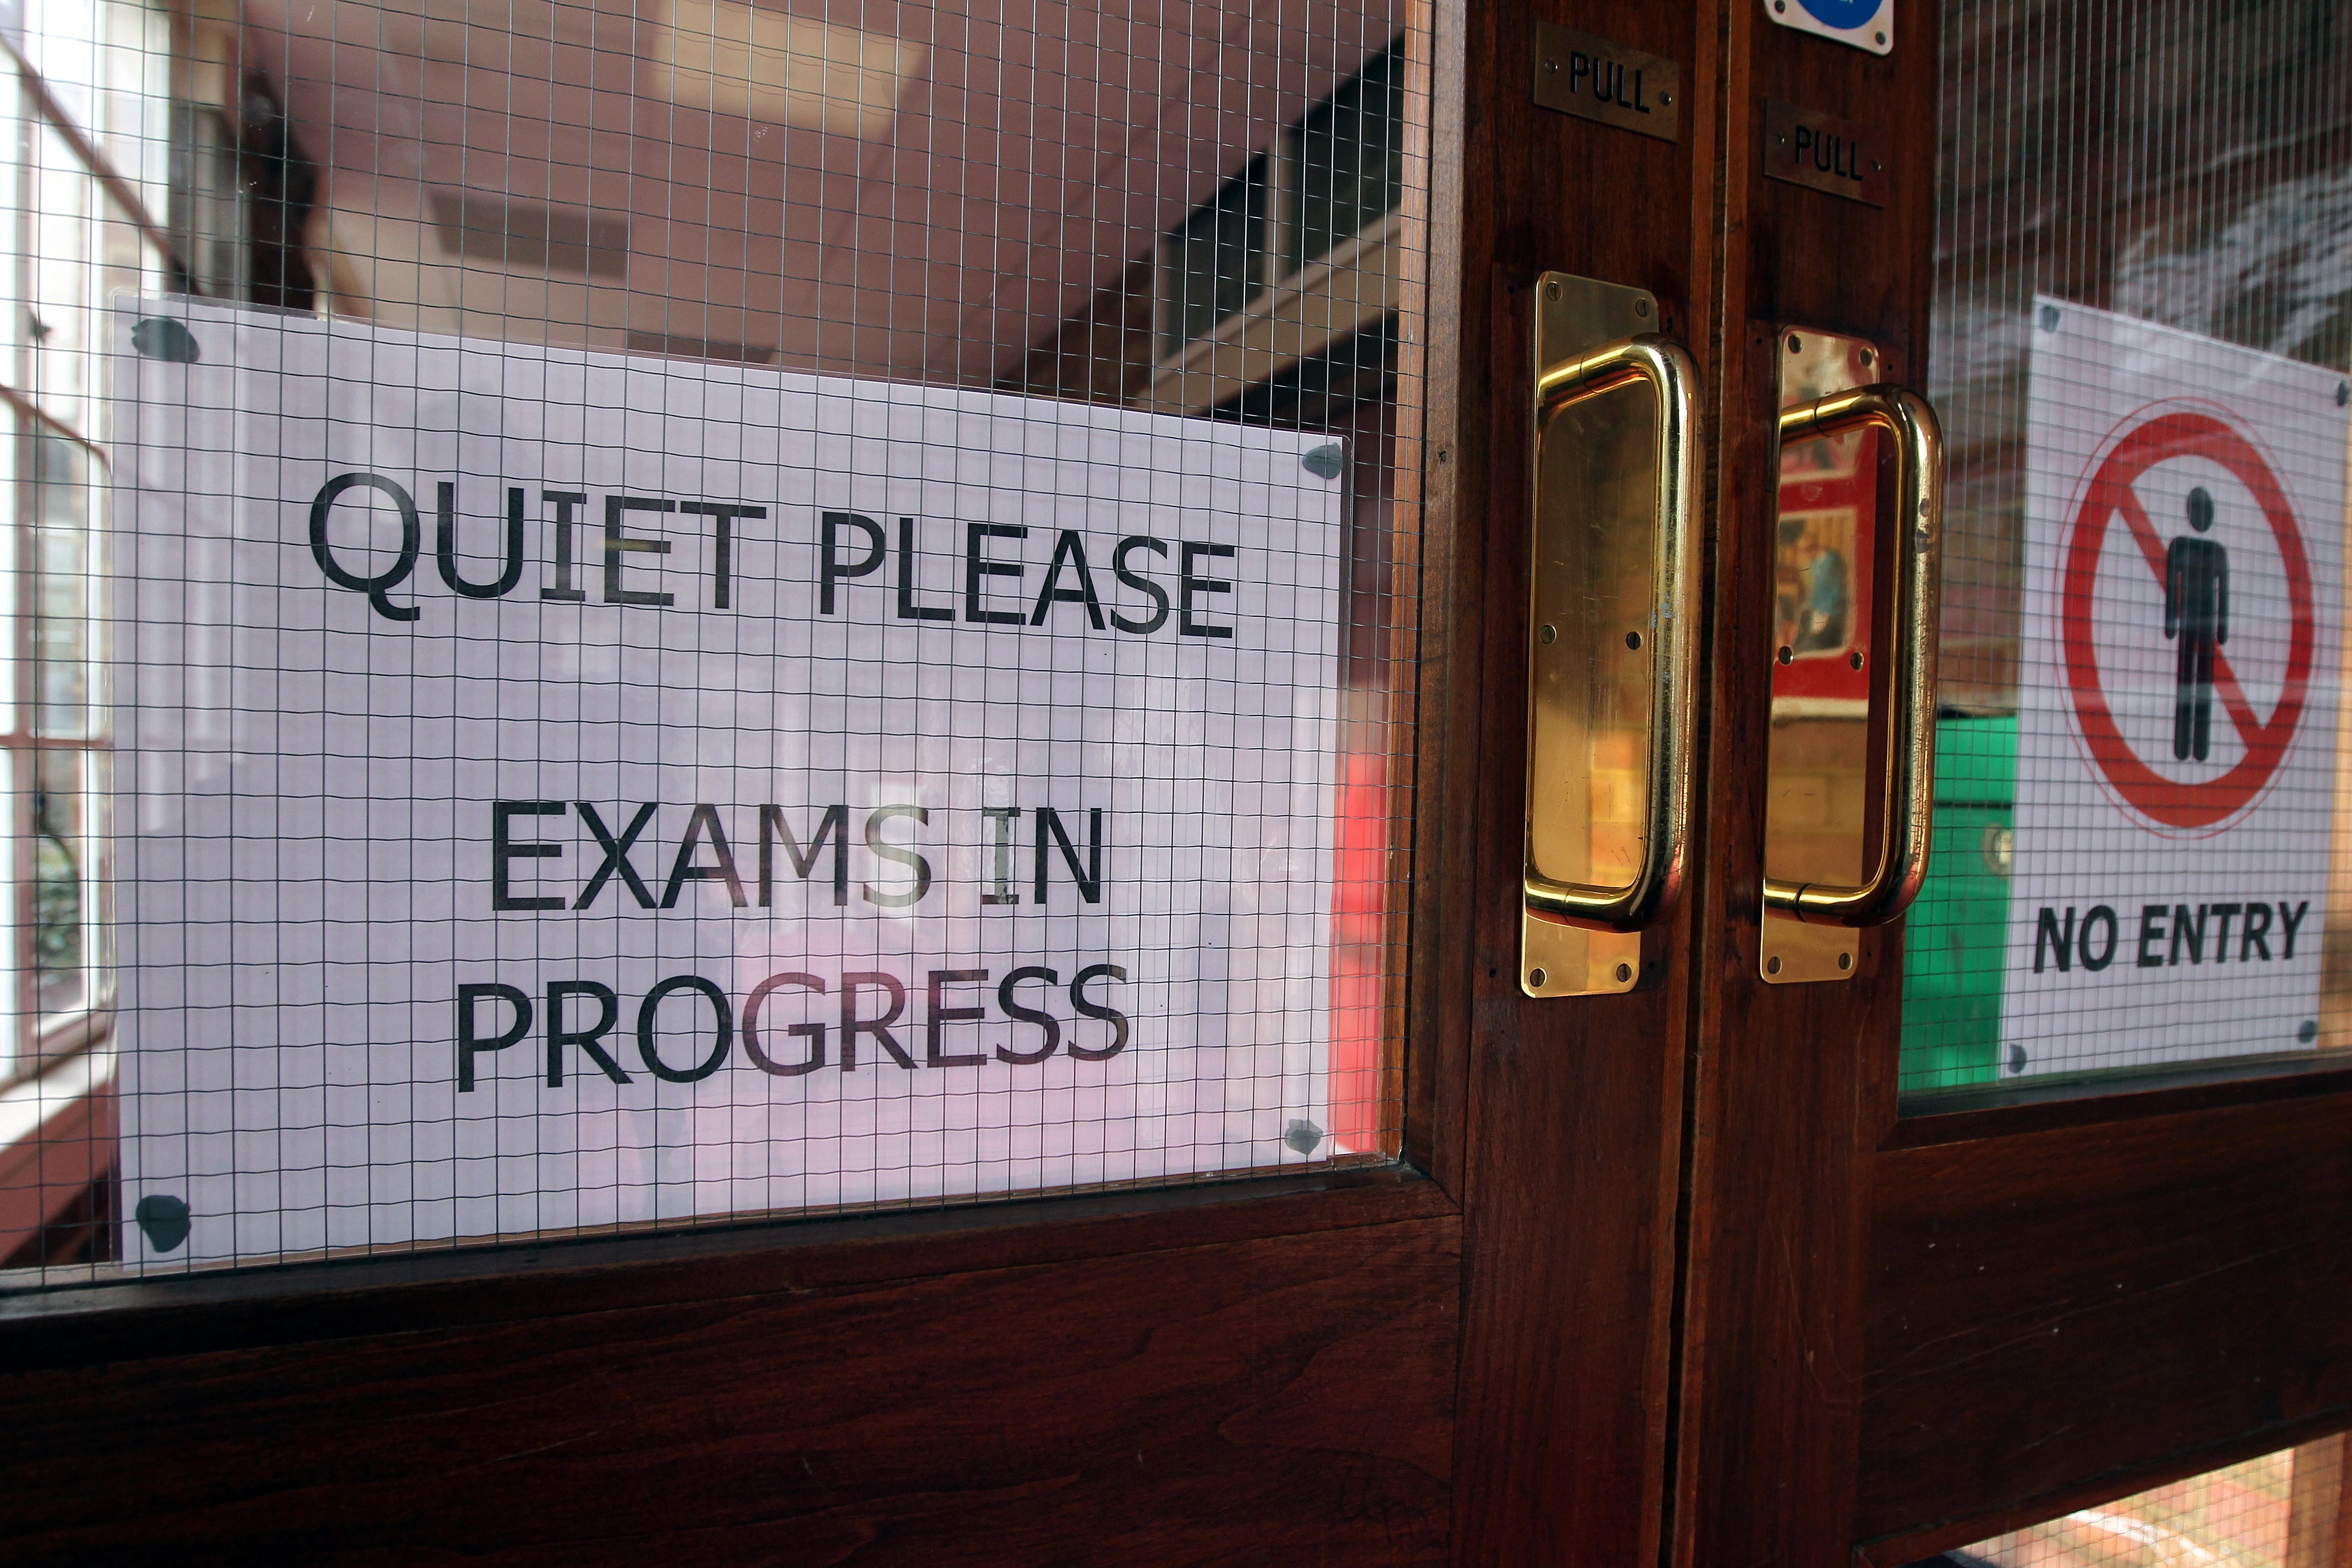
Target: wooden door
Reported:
[(1452, 1342), (1978, 1237)]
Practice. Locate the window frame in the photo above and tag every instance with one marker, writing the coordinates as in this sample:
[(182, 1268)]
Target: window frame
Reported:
[(49, 143)]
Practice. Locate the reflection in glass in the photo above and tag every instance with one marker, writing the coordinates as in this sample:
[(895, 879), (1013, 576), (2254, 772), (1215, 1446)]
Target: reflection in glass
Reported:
[(60, 883), (61, 612), (1347, 159), (1218, 258), (2283, 1509)]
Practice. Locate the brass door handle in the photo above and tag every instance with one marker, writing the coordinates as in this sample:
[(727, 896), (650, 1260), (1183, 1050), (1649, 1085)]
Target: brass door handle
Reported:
[(1667, 370), (1910, 684)]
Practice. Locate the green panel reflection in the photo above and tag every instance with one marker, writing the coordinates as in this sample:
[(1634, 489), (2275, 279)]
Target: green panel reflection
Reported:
[(1953, 954)]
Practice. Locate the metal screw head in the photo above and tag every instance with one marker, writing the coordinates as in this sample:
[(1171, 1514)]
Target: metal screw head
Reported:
[(1624, 972), (1552, 65), (1780, 7), (2050, 318), (1552, 291), (1853, 660), (1845, 960), (1632, 639), (1545, 634), (1998, 849), (1796, 344), (1881, 38), (2343, 394), (1665, 98), (164, 1220), (1771, 966), (1535, 977), (1642, 308), (1786, 653), (1867, 358), (162, 338)]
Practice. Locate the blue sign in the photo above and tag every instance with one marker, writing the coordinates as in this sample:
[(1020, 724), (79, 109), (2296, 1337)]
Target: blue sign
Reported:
[(1864, 24)]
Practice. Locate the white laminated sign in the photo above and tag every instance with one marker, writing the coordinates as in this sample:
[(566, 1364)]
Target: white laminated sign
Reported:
[(558, 789), (2176, 727)]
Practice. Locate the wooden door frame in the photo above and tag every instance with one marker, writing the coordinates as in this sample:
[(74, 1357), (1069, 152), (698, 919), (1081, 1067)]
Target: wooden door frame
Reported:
[(1571, 1111), (1908, 1332), (1212, 1372)]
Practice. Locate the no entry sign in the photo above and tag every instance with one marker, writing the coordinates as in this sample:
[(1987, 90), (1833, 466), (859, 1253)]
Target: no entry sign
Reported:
[(2176, 697), (2147, 438)]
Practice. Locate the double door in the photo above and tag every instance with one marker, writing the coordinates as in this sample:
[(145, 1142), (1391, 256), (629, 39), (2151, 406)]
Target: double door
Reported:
[(1705, 1163)]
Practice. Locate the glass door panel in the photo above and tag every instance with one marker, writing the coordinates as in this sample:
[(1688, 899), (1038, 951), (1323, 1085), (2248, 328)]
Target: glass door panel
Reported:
[(2142, 331), (900, 526)]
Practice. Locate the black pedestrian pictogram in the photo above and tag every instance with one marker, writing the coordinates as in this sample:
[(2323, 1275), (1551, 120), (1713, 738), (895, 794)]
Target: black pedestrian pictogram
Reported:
[(2197, 613), (2196, 600)]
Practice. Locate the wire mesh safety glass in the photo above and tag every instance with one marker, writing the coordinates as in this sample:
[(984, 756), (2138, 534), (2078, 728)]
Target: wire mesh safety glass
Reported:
[(2282, 1509), (647, 612), (2141, 336)]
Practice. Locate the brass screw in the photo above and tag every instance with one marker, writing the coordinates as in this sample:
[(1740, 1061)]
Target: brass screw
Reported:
[(1552, 291), (1786, 653), (1624, 972), (1546, 635), (1796, 344), (1854, 658), (1845, 960), (1632, 639), (1771, 966), (1536, 978)]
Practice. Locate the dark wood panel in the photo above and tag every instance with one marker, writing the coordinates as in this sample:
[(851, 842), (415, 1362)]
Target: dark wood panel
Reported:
[(2072, 1308), (1287, 1400), (1792, 1084), (2005, 1110), (1445, 694), (454, 1287), (1574, 1106)]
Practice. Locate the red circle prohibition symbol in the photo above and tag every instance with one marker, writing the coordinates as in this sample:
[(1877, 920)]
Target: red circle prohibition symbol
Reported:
[(2179, 431)]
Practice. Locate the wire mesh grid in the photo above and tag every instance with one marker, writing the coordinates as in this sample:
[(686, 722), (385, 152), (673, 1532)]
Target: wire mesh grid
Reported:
[(2283, 1509), (645, 613), (2140, 336)]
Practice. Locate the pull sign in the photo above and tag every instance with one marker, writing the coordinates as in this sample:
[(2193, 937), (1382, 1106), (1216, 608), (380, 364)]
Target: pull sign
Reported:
[(1864, 24), (1593, 79), (1824, 152)]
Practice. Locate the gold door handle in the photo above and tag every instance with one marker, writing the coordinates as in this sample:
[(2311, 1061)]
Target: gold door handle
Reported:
[(1907, 804), (1670, 632)]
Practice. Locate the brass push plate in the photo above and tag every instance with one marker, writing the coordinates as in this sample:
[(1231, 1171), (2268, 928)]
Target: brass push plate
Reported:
[(1595, 495), (1593, 79), (1817, 777), (1825, 154)]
